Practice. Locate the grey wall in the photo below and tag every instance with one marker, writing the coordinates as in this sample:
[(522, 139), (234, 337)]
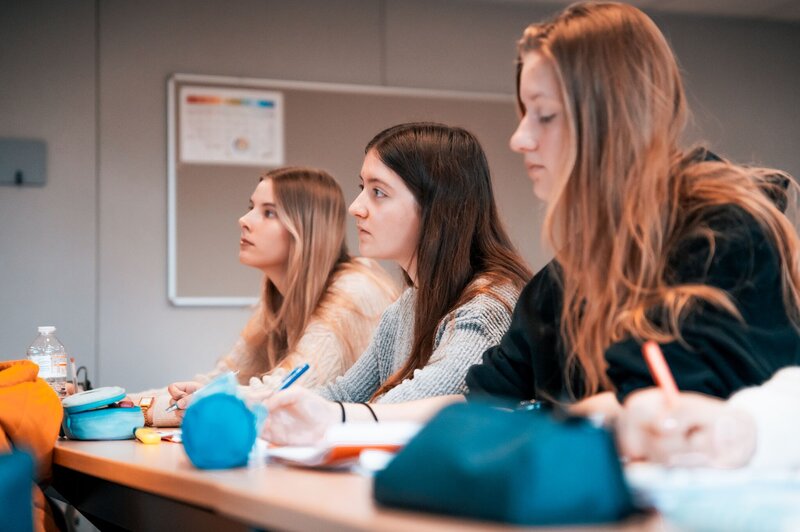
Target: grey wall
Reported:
[(48, 240), (87, 252)]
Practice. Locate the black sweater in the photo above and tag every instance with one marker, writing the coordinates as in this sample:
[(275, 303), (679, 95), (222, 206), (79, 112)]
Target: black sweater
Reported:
[(723, 353)]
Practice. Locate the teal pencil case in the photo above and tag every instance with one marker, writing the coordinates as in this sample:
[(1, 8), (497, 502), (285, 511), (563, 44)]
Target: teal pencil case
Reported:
[(97, 415)]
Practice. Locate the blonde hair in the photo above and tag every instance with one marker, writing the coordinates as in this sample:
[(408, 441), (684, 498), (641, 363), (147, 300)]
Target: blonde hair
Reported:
[(310, 204), (631, 194)]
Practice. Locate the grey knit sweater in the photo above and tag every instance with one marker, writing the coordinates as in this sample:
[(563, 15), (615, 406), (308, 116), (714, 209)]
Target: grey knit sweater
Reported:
[(461, 338)]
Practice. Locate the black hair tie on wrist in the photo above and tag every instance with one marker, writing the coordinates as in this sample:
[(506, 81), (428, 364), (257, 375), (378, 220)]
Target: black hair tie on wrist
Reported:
[(344, 417), (371, 411)]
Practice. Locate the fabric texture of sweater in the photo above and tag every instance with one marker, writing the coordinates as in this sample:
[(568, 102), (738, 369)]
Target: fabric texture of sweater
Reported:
[(461, 337), (775, 407), (320, 346), (721, 354)]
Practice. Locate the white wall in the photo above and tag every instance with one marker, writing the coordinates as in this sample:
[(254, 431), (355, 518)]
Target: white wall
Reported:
[(103, 227)]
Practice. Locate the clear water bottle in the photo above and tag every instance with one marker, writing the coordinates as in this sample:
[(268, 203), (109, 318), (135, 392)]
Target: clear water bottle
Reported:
[(51, 357)]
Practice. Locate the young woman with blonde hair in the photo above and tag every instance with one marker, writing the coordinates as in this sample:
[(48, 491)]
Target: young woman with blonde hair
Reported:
[(652, 241), (318, 305)]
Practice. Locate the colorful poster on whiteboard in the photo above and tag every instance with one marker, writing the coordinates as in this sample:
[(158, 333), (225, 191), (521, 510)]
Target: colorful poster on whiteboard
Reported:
[(231, 126)]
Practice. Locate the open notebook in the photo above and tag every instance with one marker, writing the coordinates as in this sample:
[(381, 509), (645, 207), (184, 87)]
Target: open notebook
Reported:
[(704, 499), (343, 444)]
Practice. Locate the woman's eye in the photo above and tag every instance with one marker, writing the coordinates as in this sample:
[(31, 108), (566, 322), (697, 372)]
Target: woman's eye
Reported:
[(378, 193), (270, 213), (361, 186), (547, 118)]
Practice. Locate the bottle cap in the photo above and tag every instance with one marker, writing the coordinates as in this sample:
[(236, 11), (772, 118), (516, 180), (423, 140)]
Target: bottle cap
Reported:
[(47, 329)]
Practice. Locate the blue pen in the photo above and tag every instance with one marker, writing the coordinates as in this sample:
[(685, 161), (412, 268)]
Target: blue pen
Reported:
[(293, 375)]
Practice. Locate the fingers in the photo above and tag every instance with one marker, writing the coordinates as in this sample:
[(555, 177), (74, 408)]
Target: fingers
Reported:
[(256, 392), (297, 416), (179, 389), (286, 398), (681, 435), (184, 402)]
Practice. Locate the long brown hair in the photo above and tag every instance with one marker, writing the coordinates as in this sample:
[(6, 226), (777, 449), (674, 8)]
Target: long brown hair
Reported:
[(462, 237), (632, 193), (310, 204)]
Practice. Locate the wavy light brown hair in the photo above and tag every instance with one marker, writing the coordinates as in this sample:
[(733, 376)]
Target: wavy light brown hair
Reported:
[(630, 191), (310, 204), (463, 239)]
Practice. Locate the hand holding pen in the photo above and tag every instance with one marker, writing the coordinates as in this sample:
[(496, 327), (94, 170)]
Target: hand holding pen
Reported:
[(181, 391), (662, 424)]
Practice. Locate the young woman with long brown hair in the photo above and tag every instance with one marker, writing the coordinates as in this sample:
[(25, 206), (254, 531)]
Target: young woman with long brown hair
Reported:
[(427, 204), (652, 241), (319, 305)]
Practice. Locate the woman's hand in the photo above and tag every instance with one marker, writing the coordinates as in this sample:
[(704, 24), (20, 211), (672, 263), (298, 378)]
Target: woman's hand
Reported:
[(698, 430), (298, 416), (181, 393)]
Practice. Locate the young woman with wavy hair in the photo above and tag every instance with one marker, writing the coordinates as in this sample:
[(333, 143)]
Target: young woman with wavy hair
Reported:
[(319, 305), (427, 204), (652, 241)]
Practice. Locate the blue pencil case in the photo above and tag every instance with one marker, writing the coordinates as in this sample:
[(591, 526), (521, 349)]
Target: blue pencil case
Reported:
[(96, 415)]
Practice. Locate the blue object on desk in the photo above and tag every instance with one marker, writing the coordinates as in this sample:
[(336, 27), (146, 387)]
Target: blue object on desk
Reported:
[(95, 415), (292, 376), (523, 467), (218, 432)]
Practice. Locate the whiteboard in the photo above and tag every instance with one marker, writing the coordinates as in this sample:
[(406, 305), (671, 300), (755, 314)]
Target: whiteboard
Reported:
[(326, 126)]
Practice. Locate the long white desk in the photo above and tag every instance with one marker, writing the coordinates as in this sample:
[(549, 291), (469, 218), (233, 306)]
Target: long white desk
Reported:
[(134, 486)]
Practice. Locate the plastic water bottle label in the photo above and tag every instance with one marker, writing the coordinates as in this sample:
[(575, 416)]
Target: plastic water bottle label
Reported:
[(45, 369)]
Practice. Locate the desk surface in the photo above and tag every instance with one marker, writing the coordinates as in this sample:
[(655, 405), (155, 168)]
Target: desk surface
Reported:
[(263, 495)]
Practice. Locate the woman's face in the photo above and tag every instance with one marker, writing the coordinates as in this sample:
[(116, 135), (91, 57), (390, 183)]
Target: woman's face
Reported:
[(542, 135), (387, 215), (265, 241)]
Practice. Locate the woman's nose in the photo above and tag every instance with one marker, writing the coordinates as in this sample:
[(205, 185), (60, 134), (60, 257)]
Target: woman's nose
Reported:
[(524, 138), (357, 208)]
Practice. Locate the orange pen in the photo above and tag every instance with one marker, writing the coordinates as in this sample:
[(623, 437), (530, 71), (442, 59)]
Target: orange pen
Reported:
[(660, 372)]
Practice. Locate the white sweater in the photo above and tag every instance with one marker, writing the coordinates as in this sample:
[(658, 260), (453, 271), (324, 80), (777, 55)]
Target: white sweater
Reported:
[(320, 346), (775, 407)]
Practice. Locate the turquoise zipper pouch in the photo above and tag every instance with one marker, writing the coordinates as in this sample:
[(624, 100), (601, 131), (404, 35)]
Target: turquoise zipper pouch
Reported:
[(96, 415)]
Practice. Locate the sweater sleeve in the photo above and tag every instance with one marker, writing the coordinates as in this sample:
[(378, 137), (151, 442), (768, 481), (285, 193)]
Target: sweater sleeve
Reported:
[(461, 338), (363, 378), (527, 358), (335, 338), (721, 353), (319, 347), (775, 407)]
